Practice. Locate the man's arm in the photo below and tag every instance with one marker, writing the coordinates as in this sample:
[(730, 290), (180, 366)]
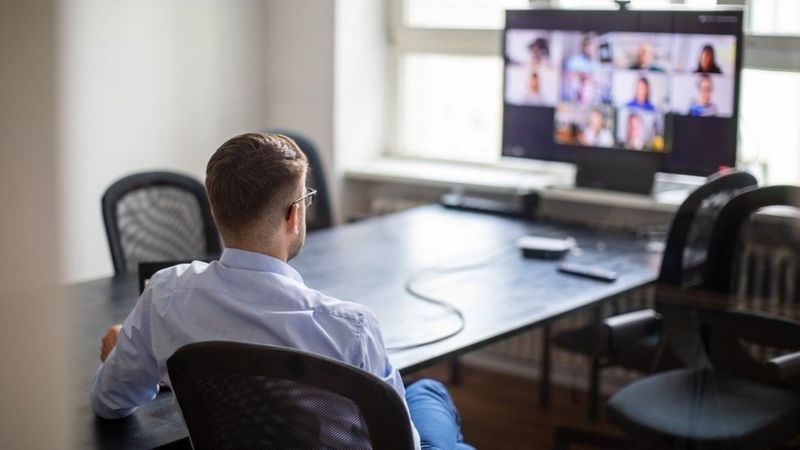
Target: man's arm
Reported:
[(129, 375), (376, 361), (109, 341)]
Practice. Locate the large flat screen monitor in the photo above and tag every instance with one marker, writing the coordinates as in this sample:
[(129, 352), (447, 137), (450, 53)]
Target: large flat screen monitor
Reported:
[(661, 83)]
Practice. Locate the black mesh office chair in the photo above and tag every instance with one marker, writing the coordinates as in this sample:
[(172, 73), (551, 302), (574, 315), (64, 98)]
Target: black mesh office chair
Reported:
[(631, 340), (242, 396), (156, 217), (726, 397), (321, 215)]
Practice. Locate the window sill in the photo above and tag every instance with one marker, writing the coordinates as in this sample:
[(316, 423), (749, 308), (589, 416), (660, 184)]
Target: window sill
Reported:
[(496, 178), (554, 182)]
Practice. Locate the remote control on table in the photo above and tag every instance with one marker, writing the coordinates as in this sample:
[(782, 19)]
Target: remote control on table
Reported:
[(585, 270)]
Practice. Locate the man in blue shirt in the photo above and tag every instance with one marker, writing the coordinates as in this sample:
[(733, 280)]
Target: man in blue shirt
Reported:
[(256, 188)]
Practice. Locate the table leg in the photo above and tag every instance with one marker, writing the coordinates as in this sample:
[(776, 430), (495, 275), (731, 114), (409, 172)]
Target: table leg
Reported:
[(455, 371), (594, 387), (595, 368), (544, 375)]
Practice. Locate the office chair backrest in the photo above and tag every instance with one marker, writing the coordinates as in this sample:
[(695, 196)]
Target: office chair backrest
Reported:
[(687, 243), (157, 216), (236, 395), (320, 215), (720, 270), (704, 329)]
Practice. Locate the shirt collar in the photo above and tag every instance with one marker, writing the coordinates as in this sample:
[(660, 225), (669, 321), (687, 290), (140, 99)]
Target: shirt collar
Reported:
[(235, 258)]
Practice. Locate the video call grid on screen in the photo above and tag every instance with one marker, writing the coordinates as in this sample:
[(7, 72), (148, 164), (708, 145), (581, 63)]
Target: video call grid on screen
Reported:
[(664, 82)]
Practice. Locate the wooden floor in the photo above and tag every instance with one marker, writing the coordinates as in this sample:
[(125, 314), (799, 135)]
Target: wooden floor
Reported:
[(501, 412)]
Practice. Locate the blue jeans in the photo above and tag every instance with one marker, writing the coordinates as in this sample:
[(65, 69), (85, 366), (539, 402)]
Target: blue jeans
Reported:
[(435, 416)]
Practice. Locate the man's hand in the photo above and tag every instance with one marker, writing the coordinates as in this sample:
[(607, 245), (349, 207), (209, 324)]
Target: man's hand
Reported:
[(109, 341)]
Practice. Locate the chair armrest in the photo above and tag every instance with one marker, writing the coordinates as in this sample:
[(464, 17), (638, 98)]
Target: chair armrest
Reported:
[(630, 326), (784, 367)]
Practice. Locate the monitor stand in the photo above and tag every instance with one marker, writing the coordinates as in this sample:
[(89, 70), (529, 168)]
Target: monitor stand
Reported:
[(617, 170)]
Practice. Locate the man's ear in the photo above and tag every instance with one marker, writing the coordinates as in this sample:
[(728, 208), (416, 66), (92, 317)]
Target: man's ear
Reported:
[(293, 219)]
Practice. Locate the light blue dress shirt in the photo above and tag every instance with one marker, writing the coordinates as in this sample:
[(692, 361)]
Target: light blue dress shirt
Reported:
[(243, 297)]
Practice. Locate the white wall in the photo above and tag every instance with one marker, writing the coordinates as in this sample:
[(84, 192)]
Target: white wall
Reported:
[(361, 109), (33, 410), (149, 84), (326, 74), (159, 84), (298, 46)]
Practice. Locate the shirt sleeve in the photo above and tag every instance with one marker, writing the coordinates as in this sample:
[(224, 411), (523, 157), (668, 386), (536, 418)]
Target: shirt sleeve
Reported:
[(376, 361), (129, 377)]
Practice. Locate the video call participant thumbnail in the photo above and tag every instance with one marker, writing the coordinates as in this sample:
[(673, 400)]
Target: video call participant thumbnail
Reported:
[(585, 61), (702, 104), (707, 62), (539, 50), (641, 96), (640, 130), (645, 59), (634, 132), (597, 132)]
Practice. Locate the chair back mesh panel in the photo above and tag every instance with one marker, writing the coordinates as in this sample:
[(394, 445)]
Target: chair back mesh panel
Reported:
[(687, 243), (238, 396), (695, 252), (252, 411), (153, 217), (161, 223)]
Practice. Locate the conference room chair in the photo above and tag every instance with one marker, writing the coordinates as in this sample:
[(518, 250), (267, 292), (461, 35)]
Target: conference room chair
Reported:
[(157, 217), (731, 394), (319, 216), (631, 340), (237, 396)]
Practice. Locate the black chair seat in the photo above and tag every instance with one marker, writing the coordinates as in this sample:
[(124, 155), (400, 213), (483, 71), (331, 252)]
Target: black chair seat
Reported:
[(714, 410)]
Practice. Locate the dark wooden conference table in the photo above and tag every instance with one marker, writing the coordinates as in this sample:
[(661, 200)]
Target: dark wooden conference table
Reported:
[(499, 292)]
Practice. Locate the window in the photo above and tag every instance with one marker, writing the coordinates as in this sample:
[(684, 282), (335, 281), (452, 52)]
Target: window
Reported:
[(449, 77), (443, 114), (450, 115), (780, 17), (464, 14), (769, 144)]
